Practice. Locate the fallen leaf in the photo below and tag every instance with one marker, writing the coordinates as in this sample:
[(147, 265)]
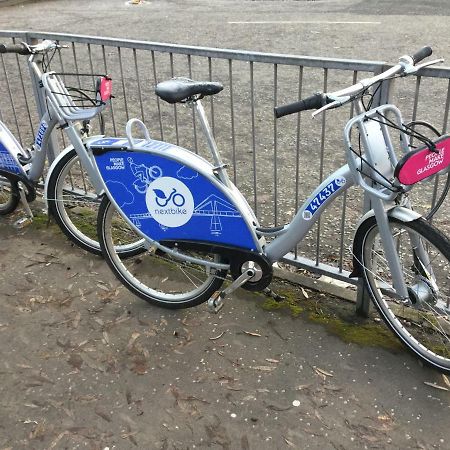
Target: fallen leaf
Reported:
[(300, 387), (289, 443), (264, 368), (250, 333), (436, 386), (132, 340), (275, 361), (446, 380), (103, 414), (76, 320), (57, 439), (305, 294), (75, 360), (323, 372), (217, 337)]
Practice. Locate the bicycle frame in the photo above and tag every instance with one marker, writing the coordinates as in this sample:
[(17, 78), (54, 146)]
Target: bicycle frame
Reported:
[(51, 119), (378, 150)]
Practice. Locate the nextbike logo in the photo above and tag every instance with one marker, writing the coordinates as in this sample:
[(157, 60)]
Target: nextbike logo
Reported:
[(40, 134), (169, 201)]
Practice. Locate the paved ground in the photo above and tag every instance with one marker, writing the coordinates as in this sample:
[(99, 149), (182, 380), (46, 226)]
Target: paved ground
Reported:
[(86, 365)]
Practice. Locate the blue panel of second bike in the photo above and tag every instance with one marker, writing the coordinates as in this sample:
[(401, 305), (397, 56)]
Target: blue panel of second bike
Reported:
[(8, 161), (168, 200)]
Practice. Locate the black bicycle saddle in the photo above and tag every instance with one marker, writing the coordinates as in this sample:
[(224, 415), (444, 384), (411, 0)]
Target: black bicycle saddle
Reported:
[(181, 89)]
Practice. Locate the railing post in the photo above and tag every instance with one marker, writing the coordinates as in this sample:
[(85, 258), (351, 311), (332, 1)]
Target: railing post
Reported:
[(381, 97), (39, 97)]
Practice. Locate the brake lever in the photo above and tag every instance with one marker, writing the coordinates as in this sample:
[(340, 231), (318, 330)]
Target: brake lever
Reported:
[(410, 69), (338, 101)]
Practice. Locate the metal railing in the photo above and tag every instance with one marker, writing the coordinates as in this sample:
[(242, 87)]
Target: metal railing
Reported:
[(275, 164)]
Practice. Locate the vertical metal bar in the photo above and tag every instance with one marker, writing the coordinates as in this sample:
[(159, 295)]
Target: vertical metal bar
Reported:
[(416, 98), (322, 153), (344, 199), (76, 64), (8, 85), (123, 84), (194, 124), (211, 99), (233, 134), (91, 67), (297, 151), (19, 67), (275, 146), (252, 100), (111, 101), (61, 134), (447, 106), (155, 77), (172, 74), (136, 68)]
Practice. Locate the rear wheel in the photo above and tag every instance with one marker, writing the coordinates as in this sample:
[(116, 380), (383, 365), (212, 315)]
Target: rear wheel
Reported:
[(9, 195), (156, 276), (74, 204), (422, 322)]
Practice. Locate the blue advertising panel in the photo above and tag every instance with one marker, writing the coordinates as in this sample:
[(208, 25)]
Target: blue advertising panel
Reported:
[(169, 200), (9, 149)]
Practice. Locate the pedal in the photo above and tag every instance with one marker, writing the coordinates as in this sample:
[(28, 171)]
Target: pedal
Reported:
[(270, 293), (22, 222), (215, 303)]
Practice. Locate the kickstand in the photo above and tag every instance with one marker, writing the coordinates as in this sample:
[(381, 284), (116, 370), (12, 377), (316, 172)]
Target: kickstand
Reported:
[(23, 221)]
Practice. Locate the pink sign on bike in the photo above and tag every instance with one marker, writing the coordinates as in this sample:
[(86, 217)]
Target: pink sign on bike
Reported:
[(105, 88), (423, 163)]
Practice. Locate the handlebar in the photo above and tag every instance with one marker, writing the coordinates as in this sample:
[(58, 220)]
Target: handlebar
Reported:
[(25, 49), (421, 54), (315, 101), (324, 101), (21, 49)]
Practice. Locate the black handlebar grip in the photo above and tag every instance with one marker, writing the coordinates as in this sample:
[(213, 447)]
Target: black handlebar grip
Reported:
[(314, 102), (422, 54), (21, 49)]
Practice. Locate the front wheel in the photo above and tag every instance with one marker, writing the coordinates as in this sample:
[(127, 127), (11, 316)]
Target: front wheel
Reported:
[(421, 322), (155, 276), (74, 204)]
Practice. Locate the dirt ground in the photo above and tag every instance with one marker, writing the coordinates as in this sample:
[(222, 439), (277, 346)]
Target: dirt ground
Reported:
[(87, 365)]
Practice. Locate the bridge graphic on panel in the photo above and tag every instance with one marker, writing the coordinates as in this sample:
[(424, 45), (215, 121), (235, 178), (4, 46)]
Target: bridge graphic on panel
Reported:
[(213, 206)]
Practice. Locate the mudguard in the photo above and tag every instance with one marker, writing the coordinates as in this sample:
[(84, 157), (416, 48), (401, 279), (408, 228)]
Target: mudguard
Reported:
[(169, 193), (399, 212)]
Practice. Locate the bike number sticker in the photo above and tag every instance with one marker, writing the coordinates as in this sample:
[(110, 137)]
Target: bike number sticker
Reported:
[(40, 134), (322, 197), (169, 202)]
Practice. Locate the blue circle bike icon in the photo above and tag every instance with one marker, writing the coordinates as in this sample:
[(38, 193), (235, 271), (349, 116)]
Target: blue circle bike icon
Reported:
[(175, 197)]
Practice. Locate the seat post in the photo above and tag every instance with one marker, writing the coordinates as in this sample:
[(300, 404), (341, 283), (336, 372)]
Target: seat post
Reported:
[(220, 167)]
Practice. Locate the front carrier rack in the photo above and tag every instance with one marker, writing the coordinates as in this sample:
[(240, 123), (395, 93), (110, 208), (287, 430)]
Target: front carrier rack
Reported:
[(387, 177), (77, 103)]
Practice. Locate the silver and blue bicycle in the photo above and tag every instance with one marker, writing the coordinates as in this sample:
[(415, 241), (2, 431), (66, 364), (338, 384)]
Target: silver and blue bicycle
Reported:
[(198, 227), (72, 187)]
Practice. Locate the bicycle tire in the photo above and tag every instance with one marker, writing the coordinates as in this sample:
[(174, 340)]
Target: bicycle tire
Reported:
[(424, 324), (73, 204), (9, 195), (153, 275)]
